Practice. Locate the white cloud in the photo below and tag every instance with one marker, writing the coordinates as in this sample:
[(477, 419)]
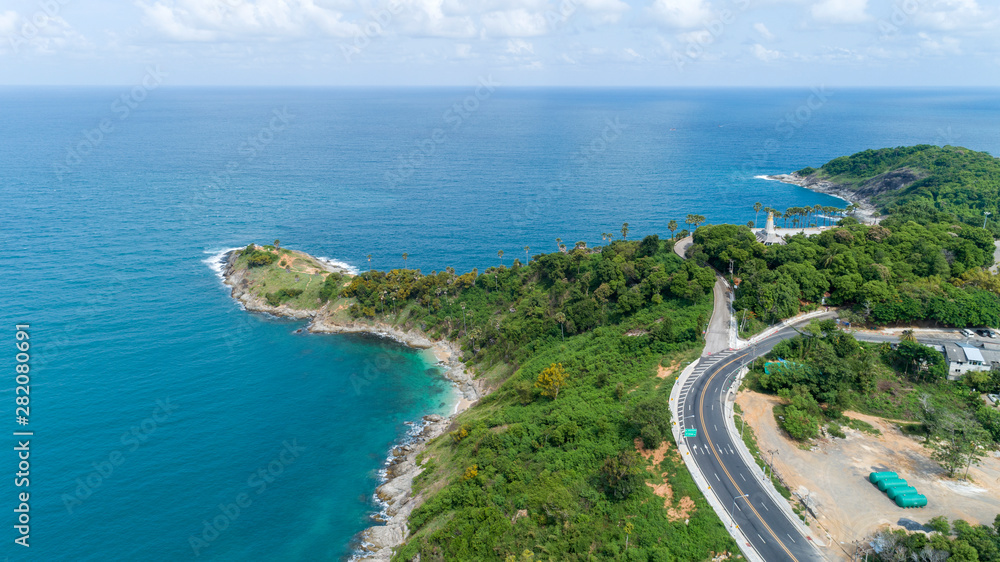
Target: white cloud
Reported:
[(939, 47), (604, 11), (841, 11), (434, 18), (40, 35), (514, 23), (680, 13), (951, 15), (8, 23), (765, 54), (196, 20), (701, 37), (518, 46), (764, 31)]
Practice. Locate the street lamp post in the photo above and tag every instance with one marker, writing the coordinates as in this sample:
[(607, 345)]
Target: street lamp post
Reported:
[(732, 512)]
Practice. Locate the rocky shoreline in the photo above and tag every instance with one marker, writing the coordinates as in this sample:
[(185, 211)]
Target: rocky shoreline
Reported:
[(395, 494), (865, 212)]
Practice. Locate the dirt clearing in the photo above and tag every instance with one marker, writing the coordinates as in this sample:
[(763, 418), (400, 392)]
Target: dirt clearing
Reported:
[(834, 476)]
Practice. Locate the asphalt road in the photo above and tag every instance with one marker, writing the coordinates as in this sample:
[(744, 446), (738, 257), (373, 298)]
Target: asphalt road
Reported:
[(764, 522), (717, 332)]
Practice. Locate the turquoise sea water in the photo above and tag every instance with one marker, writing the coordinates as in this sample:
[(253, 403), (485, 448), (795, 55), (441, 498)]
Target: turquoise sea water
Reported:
[(142, 363)]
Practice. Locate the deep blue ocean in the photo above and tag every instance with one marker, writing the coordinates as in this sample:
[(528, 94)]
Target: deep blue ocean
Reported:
[(155, 399)]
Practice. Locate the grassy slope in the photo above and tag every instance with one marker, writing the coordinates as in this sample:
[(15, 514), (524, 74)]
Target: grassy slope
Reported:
[(298, 275), (543, 456)]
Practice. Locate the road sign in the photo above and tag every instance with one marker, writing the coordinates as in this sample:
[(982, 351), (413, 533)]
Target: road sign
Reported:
[(690, 432)]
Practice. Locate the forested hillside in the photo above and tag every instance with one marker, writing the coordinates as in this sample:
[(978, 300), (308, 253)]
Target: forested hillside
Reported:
[(921, 182), (555, 463), (926, 260)]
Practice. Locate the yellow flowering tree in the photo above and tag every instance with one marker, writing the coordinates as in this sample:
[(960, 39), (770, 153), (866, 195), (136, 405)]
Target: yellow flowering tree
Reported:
[(551, 380)]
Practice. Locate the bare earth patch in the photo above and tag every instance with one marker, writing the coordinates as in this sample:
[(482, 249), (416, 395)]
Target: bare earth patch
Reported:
[(288, 261), (663, 489), (833, 475), (664, 372), (683, 511), (657, 455)]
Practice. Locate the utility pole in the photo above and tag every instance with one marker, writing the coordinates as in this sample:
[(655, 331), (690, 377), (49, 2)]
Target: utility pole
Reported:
[(771, 464)]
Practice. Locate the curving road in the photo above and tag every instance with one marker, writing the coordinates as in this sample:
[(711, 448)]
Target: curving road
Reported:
[(717, 333), (764, 518)]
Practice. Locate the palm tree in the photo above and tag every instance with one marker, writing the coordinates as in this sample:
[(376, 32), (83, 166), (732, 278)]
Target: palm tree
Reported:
[(277, 244), (625, 231), (672, 227), (558, 243), (500, 253), (526, 258), (786, 216), (561, 318), (369, 262), (405, 255), (907, 335), (756, 209)]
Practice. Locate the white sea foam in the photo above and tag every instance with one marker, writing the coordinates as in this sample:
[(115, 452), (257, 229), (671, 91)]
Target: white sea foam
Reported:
[(768, 178), (339, 266), (217, 261)]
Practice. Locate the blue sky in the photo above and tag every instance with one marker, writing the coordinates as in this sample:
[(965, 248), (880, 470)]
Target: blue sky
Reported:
[(518, 42)]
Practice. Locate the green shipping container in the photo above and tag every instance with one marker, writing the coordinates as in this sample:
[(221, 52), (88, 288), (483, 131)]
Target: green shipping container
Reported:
[(911, 500), (896, 491), (885, 483), (876, 476)]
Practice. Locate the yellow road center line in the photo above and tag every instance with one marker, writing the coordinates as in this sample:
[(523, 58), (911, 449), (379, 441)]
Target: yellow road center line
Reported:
[(701, 413)]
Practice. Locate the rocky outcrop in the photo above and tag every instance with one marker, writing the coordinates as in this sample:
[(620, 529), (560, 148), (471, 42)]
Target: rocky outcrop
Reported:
[(893, 180), (396, 494), (866, 210), (236, 277)]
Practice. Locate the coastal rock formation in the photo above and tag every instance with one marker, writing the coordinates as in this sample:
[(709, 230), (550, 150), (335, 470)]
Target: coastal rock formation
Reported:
[(396, 494), (866, 210), (237, 278)]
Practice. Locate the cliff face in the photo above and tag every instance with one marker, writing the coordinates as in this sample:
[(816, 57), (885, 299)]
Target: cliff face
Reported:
[(895, 180)]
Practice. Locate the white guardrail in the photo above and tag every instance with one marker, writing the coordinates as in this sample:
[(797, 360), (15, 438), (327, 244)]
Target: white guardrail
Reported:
[(746, 546), (713, 500)]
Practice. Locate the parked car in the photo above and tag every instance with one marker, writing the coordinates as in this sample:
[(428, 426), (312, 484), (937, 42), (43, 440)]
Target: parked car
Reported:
[(967, 332), (983, 332)]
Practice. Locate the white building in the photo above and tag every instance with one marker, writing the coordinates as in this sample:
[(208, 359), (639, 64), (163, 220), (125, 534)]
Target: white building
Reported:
[(963, 357), (767, 235)]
